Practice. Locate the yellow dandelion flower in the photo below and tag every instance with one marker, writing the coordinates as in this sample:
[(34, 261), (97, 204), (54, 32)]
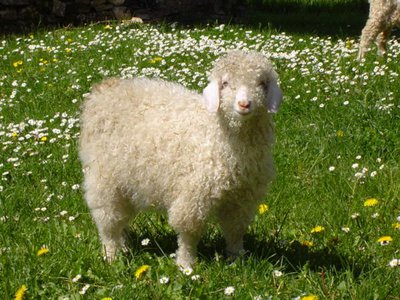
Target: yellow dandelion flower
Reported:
[(339, 133), (42, 251), (371, 202), (19, 295), (106, 298), (68, 50), (263, 208), (107, 27), (17, 63), (141, 270), (317, 229), (43, 138), (14, 134), (155, 59), (309, 297), (385, 240), (396, 225), (307, 243)]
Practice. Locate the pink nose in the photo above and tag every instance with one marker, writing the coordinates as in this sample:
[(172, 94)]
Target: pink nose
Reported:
[(244, 104)]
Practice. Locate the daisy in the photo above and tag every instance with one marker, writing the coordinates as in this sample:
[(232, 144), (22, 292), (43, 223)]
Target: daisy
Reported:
[(164, 280), (145, 242), (277, 273), (394, 263), (230, 290)]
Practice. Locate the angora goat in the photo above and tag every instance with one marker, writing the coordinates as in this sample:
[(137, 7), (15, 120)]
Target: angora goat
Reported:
[(153, 144), (383, 15)]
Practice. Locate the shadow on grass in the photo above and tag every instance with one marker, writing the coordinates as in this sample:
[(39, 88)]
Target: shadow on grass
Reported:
[(293, 256)]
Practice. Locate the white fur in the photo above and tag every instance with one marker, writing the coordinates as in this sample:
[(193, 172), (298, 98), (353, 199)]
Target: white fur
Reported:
[(383, 15), (152, 144)]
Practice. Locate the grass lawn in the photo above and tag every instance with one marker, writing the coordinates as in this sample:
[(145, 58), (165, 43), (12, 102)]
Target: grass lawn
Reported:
[(331, 225)]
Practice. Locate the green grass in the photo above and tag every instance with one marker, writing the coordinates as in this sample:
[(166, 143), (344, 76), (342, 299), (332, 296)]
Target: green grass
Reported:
[(337, 145)]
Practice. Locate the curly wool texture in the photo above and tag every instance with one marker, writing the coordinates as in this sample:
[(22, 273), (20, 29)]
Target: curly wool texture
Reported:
[(151, 144), (383, 16)]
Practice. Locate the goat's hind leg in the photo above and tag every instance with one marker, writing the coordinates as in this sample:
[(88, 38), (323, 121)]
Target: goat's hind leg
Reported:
[(111, 214)]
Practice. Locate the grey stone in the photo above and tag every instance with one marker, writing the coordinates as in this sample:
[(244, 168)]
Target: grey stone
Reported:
[(59, 8), (15, 2), (9, 14), (116, 2), (121, 13)]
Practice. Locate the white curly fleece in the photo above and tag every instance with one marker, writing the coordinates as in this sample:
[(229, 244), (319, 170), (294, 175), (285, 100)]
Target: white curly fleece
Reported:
[(151, 144)]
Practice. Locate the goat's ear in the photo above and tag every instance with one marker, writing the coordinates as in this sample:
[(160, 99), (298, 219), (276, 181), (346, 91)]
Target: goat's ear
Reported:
[(274, 97), (211, 96)]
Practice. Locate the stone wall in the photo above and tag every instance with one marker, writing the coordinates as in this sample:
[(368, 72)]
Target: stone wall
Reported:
[(49, 11), (14, 13)]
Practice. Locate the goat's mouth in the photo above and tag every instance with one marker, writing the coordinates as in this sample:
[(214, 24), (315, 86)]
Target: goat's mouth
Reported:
[(243, 108), (243, 112)]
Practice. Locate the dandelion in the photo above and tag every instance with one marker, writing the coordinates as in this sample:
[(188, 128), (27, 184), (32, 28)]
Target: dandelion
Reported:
[(43, 138), (141, 270), (371, 202), (308, 244), (263, 208), (106, 298), (156, 59), (17, 63), (394, 263), (230, 290), (42, 251), (164, 280), (396, 225), (317, 229), (385, 240), (309, 297), (145, 242), (107, 27), (19, 295), (339, 133)]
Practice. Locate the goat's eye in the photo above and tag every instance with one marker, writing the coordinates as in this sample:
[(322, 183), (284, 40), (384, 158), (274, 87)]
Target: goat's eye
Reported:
[(224, 84)]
